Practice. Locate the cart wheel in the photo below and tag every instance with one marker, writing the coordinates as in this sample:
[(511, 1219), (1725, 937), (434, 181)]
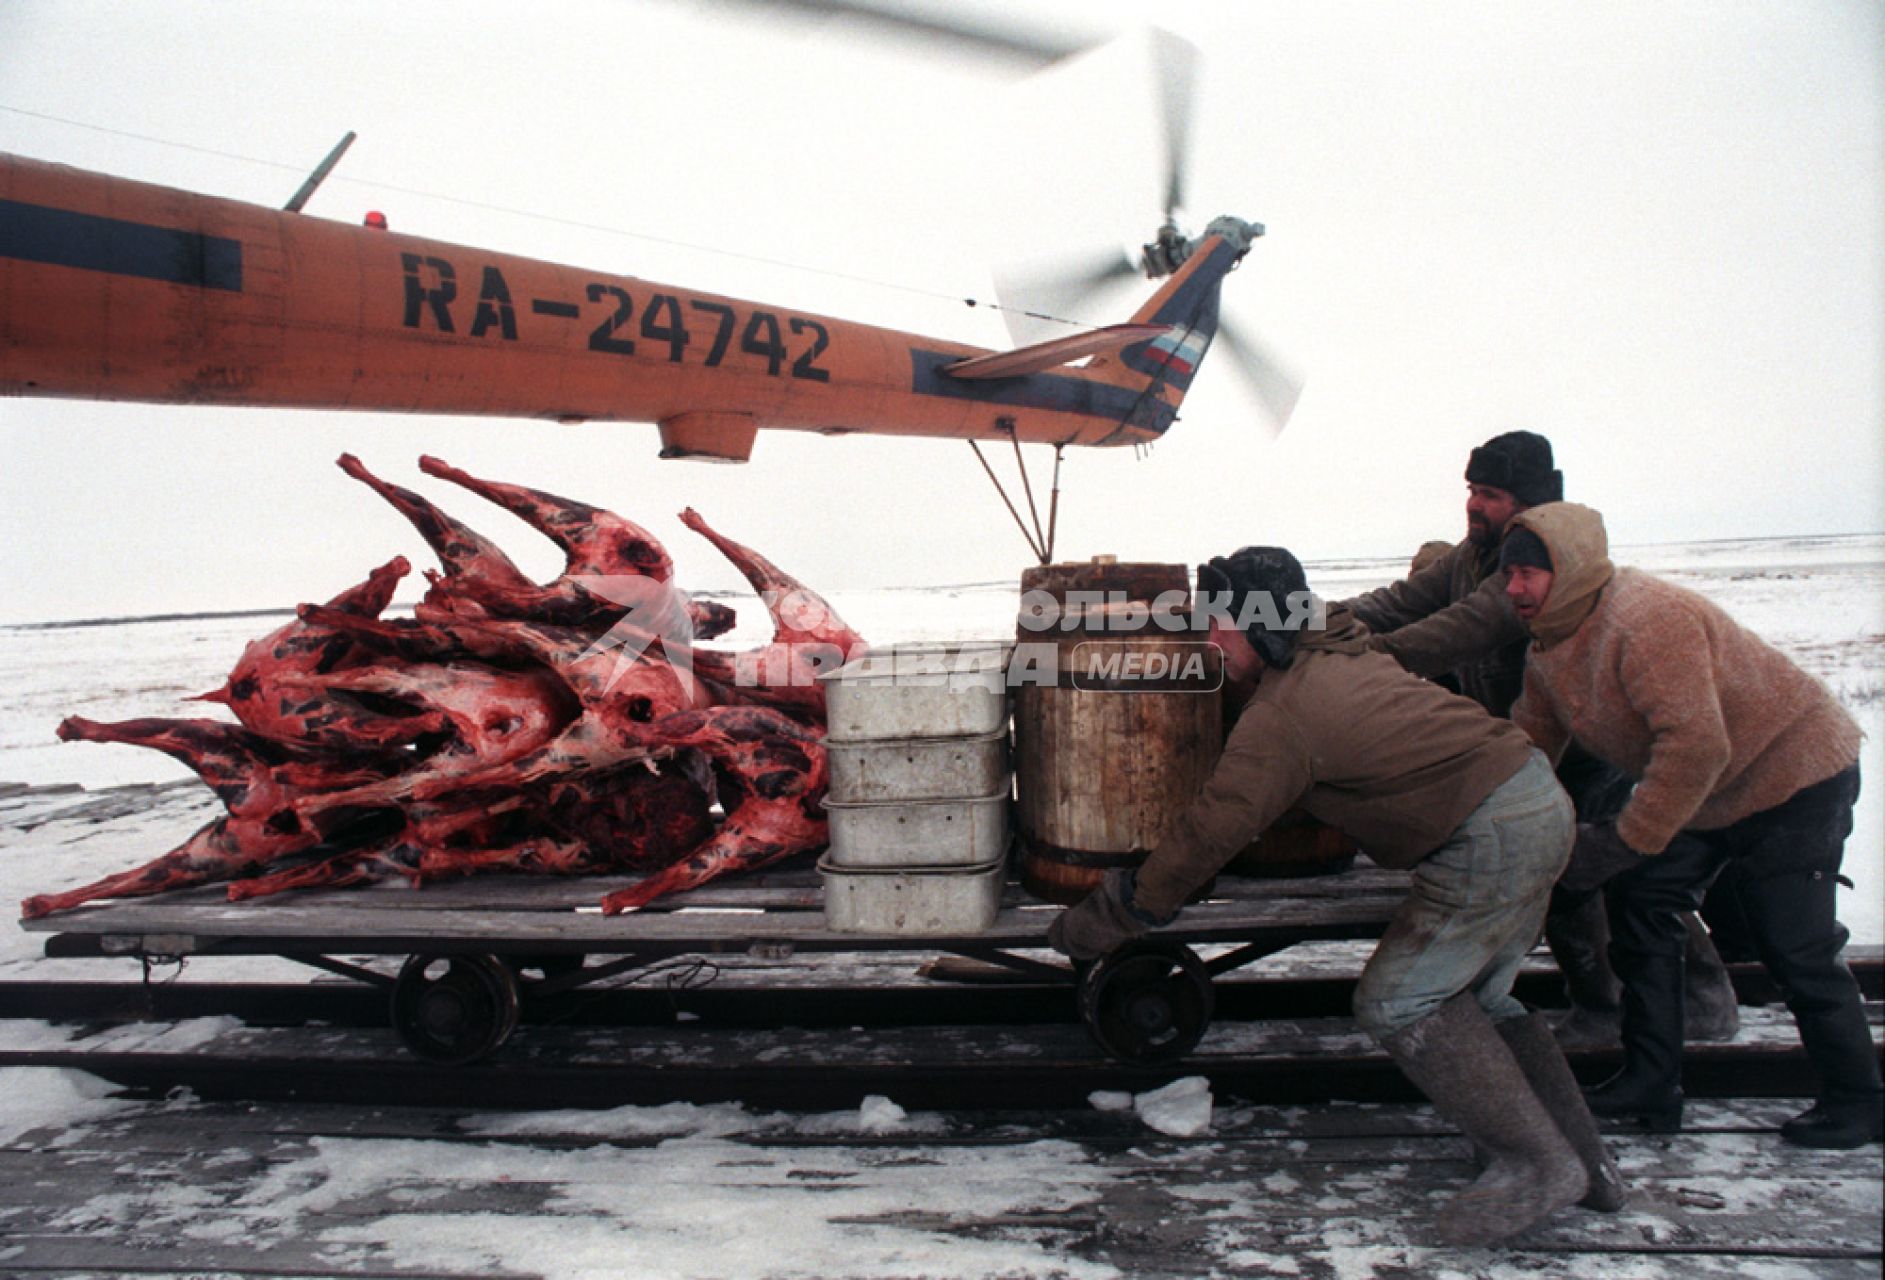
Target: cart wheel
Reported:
[(1149, 1001), (454, 1009)]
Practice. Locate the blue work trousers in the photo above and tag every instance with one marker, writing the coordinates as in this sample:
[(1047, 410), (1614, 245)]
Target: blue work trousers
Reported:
[(1477, 906)]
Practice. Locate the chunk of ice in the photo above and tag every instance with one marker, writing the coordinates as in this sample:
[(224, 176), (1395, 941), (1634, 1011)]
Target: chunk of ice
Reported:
[(1181, 1108)]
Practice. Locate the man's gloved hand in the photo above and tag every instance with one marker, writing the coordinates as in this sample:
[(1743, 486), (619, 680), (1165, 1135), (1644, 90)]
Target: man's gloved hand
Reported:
[(1599, 854), (1102, 921)]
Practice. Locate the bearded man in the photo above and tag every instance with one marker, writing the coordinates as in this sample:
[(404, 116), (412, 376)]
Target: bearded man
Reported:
[(1450, 621)]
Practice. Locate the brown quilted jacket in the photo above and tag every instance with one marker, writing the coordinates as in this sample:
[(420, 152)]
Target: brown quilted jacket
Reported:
[(1395, 761)]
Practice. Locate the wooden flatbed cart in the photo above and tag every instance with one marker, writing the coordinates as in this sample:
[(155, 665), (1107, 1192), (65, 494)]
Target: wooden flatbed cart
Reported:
[(478, 951)]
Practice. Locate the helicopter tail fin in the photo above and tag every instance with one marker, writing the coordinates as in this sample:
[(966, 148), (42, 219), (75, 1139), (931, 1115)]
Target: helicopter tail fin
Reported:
[(1176, 326), (1185, 310), (1139, 371), (1188, 307)]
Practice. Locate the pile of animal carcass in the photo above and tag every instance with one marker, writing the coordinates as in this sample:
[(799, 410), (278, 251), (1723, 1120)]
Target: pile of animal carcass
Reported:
[(565, 728)]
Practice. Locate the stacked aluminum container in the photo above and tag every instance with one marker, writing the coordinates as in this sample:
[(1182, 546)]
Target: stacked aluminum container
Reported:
[(920, 785)]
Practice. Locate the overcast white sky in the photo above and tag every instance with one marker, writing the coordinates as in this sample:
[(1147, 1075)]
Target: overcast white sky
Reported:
[(1654, 233)]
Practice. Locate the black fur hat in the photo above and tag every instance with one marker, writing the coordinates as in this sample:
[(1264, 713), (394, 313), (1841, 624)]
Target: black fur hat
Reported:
[(1520, 463), (1252, 570), (1523, 547)]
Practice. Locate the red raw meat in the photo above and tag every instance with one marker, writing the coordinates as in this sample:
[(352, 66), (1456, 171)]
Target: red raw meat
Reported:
[(710, 618), (381, 860), (254, 776), (596, 544), (299, 649), (225, 849), (620, 691), (774, 771), (799, 614), (624, 820), (568, 728), (808, 638), (622, 695), (632, 818), (472, 822), (492, 717), (480, 580), (409, 638), (594, 541), (642, 818), (447, 638), (539, 855), (633, 682), (477, 575)]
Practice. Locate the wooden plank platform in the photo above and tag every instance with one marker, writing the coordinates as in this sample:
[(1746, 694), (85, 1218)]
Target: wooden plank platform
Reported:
[(782, 909)]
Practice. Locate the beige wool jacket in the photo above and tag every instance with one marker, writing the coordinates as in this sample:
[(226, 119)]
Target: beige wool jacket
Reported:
[(1393, 760), (1713, 722)]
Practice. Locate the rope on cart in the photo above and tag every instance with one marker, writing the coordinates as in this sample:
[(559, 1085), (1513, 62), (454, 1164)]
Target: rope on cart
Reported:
[(682, 973)]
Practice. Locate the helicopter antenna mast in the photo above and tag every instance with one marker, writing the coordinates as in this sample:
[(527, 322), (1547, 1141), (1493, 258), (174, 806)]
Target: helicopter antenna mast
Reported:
[(321, 170)]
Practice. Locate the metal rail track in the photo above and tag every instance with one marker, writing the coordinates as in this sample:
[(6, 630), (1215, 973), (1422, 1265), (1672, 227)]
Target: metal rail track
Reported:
[(1002, 1043)]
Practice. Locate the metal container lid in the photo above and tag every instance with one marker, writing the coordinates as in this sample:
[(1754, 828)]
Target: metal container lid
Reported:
[(926, 664)]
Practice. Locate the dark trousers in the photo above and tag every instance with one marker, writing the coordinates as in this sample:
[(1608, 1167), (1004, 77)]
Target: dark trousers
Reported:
[(1785, 861), (1599, 790)]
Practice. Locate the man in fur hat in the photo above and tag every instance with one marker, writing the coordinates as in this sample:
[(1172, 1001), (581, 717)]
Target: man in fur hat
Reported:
[(1450, 617), (1421, 779), (1741, 760), (1450, 620)]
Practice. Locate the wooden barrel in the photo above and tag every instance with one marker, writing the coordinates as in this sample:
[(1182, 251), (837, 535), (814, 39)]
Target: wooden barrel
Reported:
[(1125, 732), (1295, 845)]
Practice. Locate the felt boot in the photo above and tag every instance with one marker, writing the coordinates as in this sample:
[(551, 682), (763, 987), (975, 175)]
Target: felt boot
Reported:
[(1649, 1088), (1578, 935), (1542, 1061), (1456, 1058), (1711, 1010)]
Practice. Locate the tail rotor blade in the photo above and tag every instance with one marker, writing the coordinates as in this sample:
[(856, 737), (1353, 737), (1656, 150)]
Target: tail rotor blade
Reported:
[(1175, 64), (1276, 387)]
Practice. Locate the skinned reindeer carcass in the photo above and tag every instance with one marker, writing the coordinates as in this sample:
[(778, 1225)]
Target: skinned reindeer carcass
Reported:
[(565, 728)]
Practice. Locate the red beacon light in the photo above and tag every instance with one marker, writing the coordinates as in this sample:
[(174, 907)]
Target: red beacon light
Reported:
[(375, 219)]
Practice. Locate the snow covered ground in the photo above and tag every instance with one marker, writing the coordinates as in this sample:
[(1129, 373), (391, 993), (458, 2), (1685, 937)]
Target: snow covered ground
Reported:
[(724, 1192)]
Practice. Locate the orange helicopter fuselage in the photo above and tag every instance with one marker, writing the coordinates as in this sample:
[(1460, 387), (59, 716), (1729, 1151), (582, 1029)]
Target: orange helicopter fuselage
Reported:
[(121, 290)]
